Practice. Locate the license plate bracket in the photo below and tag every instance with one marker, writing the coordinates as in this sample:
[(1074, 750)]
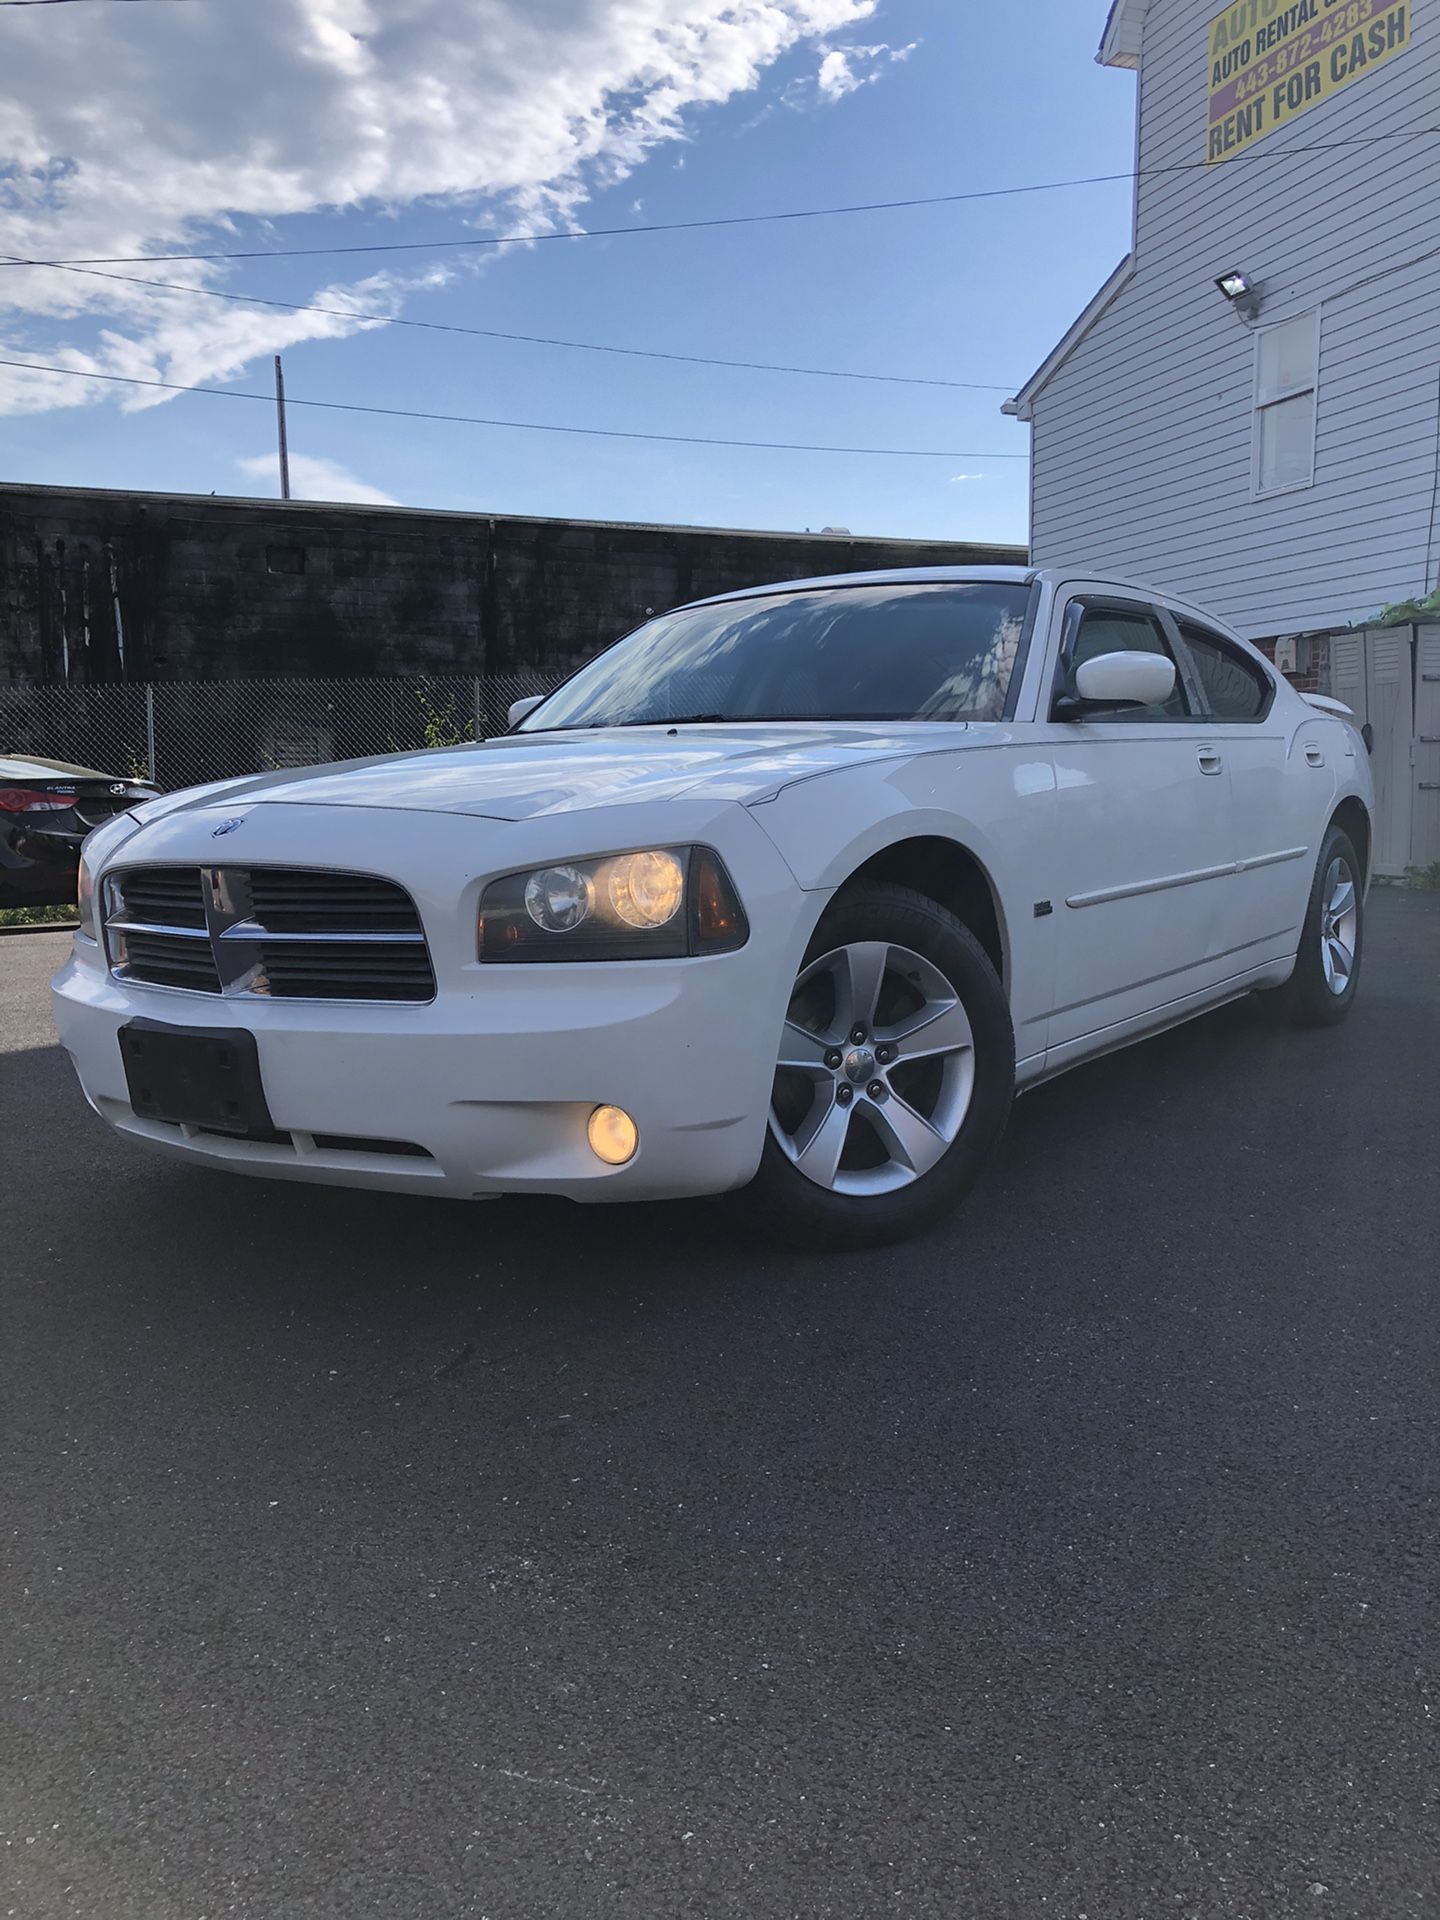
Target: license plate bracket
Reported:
[(195, 1077)]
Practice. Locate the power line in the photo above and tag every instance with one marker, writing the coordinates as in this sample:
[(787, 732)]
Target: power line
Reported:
[(93, 268), (523, 426), (530, 339), (73, 3), (726, 220)]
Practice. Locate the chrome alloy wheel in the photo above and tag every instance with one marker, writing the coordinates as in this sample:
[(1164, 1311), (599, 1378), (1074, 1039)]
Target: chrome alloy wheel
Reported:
[(876, 1069), (1339, 924)]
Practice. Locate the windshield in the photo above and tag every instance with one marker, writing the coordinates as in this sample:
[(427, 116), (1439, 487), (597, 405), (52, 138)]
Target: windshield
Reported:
[(943, 652)]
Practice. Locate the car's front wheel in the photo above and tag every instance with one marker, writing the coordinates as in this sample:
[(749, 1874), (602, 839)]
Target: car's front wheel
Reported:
[(895, 1074), (1327, 966)]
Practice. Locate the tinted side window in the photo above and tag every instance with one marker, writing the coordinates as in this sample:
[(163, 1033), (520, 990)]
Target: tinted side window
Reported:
[(1234, 687), (1114, 630)]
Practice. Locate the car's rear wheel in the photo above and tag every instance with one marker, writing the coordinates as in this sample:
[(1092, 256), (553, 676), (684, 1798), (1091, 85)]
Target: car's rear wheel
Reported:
[(895, 1074), (1327, 967)]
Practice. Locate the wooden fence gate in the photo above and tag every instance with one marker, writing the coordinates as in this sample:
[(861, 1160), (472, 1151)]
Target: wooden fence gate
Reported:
[(1390, 677)]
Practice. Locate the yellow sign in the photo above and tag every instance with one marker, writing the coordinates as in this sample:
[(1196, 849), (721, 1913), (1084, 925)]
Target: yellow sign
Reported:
[(1268, 60)]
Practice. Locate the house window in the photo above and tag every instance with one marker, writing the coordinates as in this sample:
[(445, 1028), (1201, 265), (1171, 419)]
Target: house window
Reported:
[(1287, 365)]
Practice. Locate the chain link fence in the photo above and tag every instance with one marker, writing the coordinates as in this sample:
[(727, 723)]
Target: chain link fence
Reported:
[(182, 733)]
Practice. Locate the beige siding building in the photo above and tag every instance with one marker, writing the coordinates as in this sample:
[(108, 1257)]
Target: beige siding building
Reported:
[(1274, 454)]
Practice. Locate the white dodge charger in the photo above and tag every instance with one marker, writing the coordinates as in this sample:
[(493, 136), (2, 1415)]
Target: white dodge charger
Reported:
[(790, 890)]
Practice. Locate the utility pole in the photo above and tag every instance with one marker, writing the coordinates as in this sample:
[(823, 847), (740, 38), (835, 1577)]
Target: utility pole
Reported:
[(280, 422)]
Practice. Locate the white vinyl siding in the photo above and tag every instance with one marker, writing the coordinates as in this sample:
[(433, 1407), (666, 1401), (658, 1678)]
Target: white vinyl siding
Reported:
[(1287, 371), (1144, 435)]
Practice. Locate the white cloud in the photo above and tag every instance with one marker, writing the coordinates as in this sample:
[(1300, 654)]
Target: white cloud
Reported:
[(127, 130), (846, 69), (314, 479), (180, 337), (956, 478)]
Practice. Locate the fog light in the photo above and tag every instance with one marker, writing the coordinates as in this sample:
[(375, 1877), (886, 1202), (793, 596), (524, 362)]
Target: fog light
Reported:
[(613, 1135)]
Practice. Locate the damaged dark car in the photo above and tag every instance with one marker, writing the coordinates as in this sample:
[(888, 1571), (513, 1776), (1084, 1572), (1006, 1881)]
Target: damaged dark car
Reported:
[(46, 809)]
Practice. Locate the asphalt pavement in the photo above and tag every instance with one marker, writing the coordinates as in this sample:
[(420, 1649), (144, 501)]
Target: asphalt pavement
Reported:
[(373, 1556)]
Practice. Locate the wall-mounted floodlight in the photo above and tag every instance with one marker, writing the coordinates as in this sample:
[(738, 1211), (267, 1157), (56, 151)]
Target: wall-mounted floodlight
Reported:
[(1241, 291)]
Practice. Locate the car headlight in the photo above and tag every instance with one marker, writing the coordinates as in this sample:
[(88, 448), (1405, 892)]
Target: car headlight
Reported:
[(85, 900), (96, 853), (659, 903)]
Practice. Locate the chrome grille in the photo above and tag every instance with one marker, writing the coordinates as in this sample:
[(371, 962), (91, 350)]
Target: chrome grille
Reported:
[(165, 897), (168, 960), (287, 900), (300, 969), (272, 932)]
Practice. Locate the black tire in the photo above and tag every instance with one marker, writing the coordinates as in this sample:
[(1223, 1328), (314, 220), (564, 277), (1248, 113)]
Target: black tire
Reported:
[(1308, 998), (788, 1205)]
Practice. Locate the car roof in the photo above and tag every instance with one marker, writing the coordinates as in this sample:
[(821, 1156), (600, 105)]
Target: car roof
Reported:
[(938, 576), (885, 577)]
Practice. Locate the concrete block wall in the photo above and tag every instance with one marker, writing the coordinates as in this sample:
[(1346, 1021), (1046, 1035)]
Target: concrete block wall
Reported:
[(102, 586)]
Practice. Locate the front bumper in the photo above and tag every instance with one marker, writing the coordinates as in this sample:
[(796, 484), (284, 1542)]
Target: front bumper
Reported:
[(487, 1089)]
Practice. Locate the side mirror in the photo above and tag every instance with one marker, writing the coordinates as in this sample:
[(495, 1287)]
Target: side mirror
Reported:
[(1367, 734), (1125, 680), (519, 708)]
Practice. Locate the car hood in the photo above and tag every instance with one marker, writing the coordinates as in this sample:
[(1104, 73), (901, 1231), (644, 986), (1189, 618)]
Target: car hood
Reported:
[(520, 776)]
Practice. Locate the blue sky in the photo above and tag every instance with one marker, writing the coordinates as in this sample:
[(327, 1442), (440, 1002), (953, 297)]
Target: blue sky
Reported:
[(973, 292)]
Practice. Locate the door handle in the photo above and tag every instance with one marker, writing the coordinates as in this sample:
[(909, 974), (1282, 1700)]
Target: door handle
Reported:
[(1313, 756), (1209, 759)]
